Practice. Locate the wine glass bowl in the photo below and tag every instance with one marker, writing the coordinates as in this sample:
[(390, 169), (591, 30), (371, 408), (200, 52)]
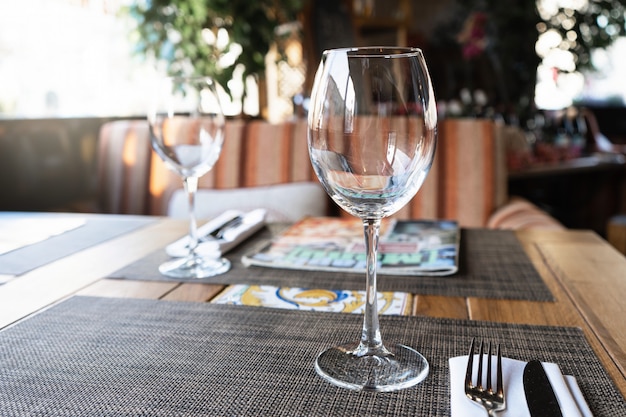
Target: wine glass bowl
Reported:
[(372, 139), (187, 132), (179, 148)]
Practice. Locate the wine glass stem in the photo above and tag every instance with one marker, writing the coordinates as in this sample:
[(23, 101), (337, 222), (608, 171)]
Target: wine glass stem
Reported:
[(371, 340), (191, 186)]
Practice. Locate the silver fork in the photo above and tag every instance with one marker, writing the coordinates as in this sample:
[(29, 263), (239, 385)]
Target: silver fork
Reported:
[(221, 230), (492, 401)]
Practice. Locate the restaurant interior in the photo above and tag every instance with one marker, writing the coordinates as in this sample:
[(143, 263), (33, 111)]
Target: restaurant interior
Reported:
[(529, 173), (567, 160), (565, 157)]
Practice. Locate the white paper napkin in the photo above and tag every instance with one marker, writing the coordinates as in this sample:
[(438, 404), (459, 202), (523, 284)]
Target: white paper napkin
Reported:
[(566, 389), (250, 223)]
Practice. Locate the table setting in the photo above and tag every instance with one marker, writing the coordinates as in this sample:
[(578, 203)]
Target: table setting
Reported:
[(369, 365), (512, 387), (110, 356), (371, 170), (372, 139), (492, 264)]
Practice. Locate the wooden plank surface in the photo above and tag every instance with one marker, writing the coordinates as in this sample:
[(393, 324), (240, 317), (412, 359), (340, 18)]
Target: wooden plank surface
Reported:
[(57, 280), (129, 289), (439, 306), (588, 278), (194, 292)]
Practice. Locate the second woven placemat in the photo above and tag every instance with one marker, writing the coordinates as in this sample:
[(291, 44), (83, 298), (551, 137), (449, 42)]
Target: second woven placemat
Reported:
[(493, 264)]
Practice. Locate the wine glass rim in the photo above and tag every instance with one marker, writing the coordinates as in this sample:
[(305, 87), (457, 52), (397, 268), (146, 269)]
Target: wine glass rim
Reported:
[(377, 51)]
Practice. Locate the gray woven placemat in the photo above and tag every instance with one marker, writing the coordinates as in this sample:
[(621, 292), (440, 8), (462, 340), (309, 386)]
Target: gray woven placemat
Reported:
[(120, 357), (97, 229), (493, 264)]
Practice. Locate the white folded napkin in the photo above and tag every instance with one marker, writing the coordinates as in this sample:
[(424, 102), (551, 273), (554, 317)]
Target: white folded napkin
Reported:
[(565, 387), (250, 223)]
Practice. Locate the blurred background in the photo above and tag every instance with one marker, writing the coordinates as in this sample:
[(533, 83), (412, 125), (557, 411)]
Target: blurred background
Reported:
[(75, 58), (553, 69)]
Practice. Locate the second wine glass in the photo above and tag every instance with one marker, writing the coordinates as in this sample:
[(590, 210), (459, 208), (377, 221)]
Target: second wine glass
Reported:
[(372, 135), (187, 132)]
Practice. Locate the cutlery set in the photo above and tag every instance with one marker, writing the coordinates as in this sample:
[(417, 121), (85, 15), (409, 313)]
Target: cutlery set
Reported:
[(487, 388), (221, 234)]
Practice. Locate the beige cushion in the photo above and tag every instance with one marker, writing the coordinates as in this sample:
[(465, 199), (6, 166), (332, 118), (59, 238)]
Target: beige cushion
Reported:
[(283, 202), (520, 214)]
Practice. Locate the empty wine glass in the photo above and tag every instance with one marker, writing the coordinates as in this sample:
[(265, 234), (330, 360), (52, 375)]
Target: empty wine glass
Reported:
[(187, 132), (372, 136)]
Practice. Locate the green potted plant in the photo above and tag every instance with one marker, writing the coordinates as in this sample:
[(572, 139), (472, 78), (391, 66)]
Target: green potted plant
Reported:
[(219, 38)]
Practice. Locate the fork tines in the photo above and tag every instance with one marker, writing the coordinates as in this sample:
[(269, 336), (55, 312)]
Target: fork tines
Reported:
[(486, 396)]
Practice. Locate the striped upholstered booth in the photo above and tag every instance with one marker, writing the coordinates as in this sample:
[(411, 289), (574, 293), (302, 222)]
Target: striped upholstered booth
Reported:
[(124, 156), (467, 181), (257, 156)]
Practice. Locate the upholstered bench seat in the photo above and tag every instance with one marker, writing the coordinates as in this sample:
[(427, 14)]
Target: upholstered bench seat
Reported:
[(267, 165), (283, 202)]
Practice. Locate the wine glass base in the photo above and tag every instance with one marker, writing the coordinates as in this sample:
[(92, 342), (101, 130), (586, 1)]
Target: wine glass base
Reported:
[(194, 267), (400, 367)]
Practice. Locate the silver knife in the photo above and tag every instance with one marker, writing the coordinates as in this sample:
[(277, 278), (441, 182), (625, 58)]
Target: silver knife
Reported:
[(540, 397)]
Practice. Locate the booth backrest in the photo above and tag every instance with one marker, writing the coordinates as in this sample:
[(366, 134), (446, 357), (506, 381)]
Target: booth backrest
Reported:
[(124, 155), (467, 181), (472, 170)]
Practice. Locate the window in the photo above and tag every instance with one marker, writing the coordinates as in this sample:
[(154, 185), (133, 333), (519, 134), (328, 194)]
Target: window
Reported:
[(74, 58), (64, 58)]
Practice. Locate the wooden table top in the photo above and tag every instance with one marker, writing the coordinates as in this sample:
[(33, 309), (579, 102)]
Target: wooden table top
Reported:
[(586, 275)]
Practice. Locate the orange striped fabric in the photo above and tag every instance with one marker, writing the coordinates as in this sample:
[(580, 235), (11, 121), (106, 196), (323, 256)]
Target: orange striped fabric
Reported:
[(268, 153), (467, 181), (123, 167), (471, 181), (132, 179), (227, 172)]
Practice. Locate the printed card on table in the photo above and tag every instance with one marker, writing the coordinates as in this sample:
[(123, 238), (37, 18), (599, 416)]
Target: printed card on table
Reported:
[(398, 303), (406, 247)]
